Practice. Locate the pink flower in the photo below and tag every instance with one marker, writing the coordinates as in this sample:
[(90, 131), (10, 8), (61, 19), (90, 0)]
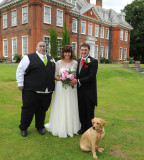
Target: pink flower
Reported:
[(71, 76), (62, 78), (65, 73)]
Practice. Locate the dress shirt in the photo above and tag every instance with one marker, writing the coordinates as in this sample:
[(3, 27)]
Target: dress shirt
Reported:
[(23, 65)]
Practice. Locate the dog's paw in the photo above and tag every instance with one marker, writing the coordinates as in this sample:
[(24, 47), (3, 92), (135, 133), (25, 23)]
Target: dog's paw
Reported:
[(94, 156), (100, 150)]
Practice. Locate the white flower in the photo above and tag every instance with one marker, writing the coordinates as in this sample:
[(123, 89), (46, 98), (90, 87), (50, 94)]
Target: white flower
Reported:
[(88, 60)]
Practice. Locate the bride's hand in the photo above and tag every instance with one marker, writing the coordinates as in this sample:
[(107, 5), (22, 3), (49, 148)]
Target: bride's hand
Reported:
[(73, 82)]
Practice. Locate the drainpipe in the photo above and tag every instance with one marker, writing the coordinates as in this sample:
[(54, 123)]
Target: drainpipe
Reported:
[(99, 43), (78, 21)]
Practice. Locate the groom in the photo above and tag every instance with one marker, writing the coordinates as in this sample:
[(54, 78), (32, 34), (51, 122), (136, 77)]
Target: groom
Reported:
[(87, 87), (35, 78)]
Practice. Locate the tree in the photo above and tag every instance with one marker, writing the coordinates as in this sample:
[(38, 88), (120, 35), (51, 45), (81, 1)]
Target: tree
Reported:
[(65, 36), (135, 17), (53, 42)]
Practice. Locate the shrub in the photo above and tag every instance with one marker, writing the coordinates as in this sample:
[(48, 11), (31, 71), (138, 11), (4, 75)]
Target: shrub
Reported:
[(17, 57)]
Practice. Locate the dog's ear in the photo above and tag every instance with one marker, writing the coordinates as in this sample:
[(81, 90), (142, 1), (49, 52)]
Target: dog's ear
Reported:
[(92, 121), (103, 122)]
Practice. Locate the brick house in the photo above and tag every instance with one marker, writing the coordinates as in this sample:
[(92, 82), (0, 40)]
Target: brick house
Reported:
[(24, 22)]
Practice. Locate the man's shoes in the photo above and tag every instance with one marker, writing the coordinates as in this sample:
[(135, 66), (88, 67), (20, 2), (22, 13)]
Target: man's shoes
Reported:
[(41, 131), (24, 133), (81, 131)]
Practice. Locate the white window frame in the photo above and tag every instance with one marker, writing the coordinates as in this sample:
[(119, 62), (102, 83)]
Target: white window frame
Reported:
[(120, 53), (83, 27), (5, 55), (47, 21), (23, 46), (59, 46), (107, 33), (5, 20), (102, 32), (74, 25), (121, 35), (96, 30), (90, 28), (96, 52), (12, 18), (106, 52), (13, 52), (101, 49), (60, 25), (126, 36), (125, 53), (74, 51), (23, 7), (48, 46)]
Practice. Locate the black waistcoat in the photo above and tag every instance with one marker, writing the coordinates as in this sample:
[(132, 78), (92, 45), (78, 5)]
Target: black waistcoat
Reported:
[(38, 77)]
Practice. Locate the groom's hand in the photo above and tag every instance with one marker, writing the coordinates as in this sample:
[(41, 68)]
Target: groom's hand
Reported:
[(20, 88), (73, 82)]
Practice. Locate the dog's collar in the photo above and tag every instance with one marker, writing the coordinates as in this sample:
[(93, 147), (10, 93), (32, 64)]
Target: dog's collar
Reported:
[(99, 131)]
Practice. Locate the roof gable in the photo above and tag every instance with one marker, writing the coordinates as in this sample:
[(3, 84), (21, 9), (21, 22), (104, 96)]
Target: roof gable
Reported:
[(91, 14)]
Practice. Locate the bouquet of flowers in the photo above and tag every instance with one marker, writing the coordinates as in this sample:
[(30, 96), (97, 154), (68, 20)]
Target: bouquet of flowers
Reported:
[(66, 77)]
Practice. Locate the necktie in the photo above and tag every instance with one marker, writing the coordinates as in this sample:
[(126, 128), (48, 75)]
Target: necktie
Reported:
[(45, 60), (83, 60)]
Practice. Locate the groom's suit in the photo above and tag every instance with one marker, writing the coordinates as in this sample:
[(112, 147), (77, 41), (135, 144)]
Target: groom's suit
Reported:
[(87, 91)]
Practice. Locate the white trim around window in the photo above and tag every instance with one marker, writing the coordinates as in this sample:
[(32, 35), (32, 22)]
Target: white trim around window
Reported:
[(126, 36), (125, 53), (101, 51), (14, 17), (47, 14), (14, 46), (24, 14), (96, 52), (96, 30), (107, 33), (90, 28), (106, 52), (5, 47), (59, 46), (121, 35), (120, 53), (102, 32), (74, 48), (74, 25), (4, 20), (24, 45), (48, 46), (59, 18), (83, 27)]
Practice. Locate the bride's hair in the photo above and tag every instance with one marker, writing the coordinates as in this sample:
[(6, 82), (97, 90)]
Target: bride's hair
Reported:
[(67, 48)]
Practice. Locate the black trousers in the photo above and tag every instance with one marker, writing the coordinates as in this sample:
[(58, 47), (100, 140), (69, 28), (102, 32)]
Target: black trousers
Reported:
[(34, 104), (86, 111)]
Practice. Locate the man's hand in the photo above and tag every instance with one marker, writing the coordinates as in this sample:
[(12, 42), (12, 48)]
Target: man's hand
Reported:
[(20, 88), (73, 82)]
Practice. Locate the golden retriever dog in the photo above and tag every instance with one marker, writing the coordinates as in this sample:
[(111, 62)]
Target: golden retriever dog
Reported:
[(90, 140)]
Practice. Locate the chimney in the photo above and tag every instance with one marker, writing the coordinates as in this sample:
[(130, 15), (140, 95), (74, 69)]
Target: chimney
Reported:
[(99, 3), (88, 1)]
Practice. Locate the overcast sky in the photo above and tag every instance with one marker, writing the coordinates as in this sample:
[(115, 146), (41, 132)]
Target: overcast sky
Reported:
[(116, 5)]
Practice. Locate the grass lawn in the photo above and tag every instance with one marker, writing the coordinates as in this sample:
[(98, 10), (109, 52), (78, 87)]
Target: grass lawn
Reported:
[(120, 104)]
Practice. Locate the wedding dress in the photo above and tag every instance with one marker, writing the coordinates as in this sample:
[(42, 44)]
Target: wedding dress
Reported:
[(64, 117)]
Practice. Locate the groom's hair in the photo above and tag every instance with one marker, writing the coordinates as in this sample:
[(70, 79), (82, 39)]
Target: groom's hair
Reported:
[(67, 48), (85, 45)]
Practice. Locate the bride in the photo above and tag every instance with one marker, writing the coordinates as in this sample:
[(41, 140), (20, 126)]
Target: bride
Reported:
[(64, 116)]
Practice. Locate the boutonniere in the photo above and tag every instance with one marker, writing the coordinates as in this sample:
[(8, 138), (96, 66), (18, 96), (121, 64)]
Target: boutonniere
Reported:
[(88, 60), (52, 61), (86, 66)]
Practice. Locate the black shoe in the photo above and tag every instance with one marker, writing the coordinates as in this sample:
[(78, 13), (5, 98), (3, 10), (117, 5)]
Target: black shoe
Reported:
[(24, 133), (81, 131), (41, 131)]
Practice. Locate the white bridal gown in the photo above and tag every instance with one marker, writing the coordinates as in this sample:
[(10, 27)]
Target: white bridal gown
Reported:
[(64, 116)]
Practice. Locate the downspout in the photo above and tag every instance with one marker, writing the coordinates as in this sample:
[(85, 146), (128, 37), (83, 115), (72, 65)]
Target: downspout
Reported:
[(99, 42), (78, 20)]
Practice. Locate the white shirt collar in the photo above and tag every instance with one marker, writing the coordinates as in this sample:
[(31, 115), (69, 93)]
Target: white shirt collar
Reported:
[(39, 54), (85, 57)]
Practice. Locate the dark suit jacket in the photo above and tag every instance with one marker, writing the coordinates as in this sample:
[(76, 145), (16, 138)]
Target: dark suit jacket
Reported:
[(87, 78)]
